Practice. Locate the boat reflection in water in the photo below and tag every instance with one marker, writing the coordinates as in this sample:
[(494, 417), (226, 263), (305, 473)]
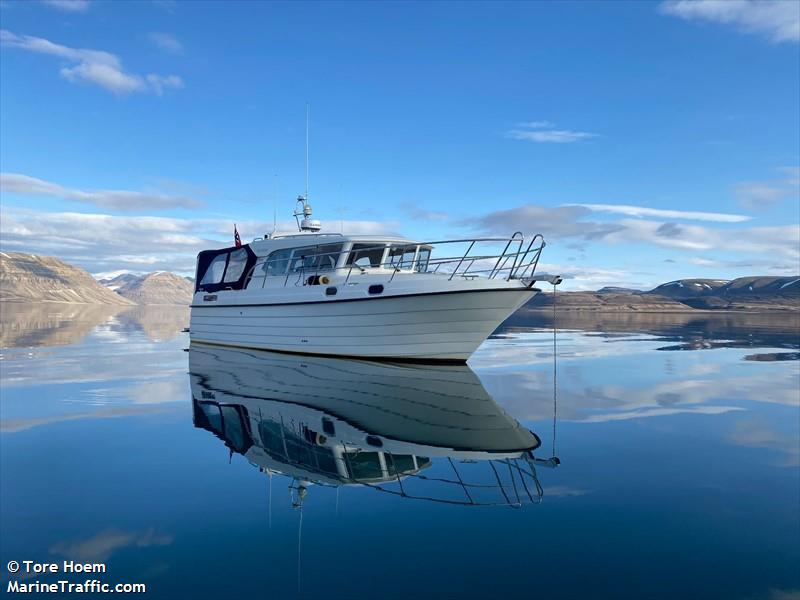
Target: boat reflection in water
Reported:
[(388, 426)]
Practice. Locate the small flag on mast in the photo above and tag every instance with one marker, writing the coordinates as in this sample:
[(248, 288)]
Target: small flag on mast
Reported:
[(237, 240)]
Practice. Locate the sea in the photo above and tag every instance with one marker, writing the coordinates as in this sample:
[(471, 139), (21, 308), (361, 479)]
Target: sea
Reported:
[(586, 455)]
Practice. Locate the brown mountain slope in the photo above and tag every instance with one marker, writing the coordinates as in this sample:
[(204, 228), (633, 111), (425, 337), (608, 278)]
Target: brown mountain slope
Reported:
[(158, 288), (32, 278)]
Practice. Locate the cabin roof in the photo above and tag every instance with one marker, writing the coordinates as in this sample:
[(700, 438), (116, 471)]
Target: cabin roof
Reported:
[(297, 240)]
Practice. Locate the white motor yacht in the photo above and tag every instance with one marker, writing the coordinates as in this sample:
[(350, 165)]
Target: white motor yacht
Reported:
[(368, 296)]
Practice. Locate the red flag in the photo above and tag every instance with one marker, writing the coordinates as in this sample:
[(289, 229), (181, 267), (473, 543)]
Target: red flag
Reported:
[(236, 237)]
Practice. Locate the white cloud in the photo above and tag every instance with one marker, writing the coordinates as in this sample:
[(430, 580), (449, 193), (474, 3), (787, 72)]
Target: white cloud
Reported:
[(794, 175), (746, 266), (777, 20), (68, 5), (99, 242), (123, 200), (95, 67), (641, 211), (103, 242), (543, 132), (561, 221), (756, 195), (418, 213), (778, 243), (167, 42), (159, 83), (535, 125)]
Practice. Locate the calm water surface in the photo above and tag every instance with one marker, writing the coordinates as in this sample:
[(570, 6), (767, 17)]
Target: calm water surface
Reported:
[(665, 464)]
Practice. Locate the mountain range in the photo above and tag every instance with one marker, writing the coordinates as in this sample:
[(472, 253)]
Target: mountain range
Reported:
[(159, 287), (744, 293), (32, 278)]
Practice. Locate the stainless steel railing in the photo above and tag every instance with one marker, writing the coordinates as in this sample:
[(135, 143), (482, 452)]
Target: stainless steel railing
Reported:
[(312, 264)]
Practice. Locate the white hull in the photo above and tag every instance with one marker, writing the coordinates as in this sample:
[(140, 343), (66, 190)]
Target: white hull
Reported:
[(428, 326)]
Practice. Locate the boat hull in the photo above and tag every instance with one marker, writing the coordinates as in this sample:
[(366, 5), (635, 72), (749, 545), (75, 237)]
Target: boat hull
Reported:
[(446, 326)]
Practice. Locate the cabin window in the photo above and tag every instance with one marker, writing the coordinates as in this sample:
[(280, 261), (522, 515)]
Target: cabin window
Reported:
[(316, 258), (399, 463), (213, 415), (234, 431), (422, 260), (364, 465), (215, 270), (271, 438), (401, 257), (366, 255), (224, 269), (236, 264), (277, 262)]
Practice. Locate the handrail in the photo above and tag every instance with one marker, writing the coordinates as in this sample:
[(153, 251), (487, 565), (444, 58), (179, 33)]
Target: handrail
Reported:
[(523, 260)]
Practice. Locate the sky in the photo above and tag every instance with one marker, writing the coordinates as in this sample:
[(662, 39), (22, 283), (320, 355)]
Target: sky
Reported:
[(647, 141)]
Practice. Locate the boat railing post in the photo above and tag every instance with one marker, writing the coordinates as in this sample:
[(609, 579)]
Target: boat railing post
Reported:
[(461, 481), (535, 260), (513, 482), (516, 258), (461, 261), (522, 474), (317, 262), (499, 258), (349, 271), (396, 472), (499, 483)]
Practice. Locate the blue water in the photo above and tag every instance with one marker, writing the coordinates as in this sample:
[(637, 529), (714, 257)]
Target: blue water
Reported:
[(678, 440)]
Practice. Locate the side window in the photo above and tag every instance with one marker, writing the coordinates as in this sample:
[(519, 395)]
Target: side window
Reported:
[(327, 257), (299, 259), (401, 257), (364, 465), (316, 258), (256, 278), (277, 262), (215, 270), (366, 255), (236, 265)]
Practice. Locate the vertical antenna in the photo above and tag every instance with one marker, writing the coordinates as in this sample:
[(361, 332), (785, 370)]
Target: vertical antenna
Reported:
[(275, 204), (307, 111)]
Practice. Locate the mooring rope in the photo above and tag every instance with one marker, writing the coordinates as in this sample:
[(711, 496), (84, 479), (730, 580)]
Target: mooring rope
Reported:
[(555, 371)]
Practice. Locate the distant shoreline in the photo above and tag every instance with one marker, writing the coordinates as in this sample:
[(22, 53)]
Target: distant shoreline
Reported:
[(676, 311)]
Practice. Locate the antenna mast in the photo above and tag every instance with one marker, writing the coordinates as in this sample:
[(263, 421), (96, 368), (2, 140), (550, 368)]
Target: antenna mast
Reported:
[(302, 208), (307, 111), (274, 204)]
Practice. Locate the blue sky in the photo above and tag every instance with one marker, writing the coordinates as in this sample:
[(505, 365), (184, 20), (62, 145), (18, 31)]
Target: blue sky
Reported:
[(133, 134)]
